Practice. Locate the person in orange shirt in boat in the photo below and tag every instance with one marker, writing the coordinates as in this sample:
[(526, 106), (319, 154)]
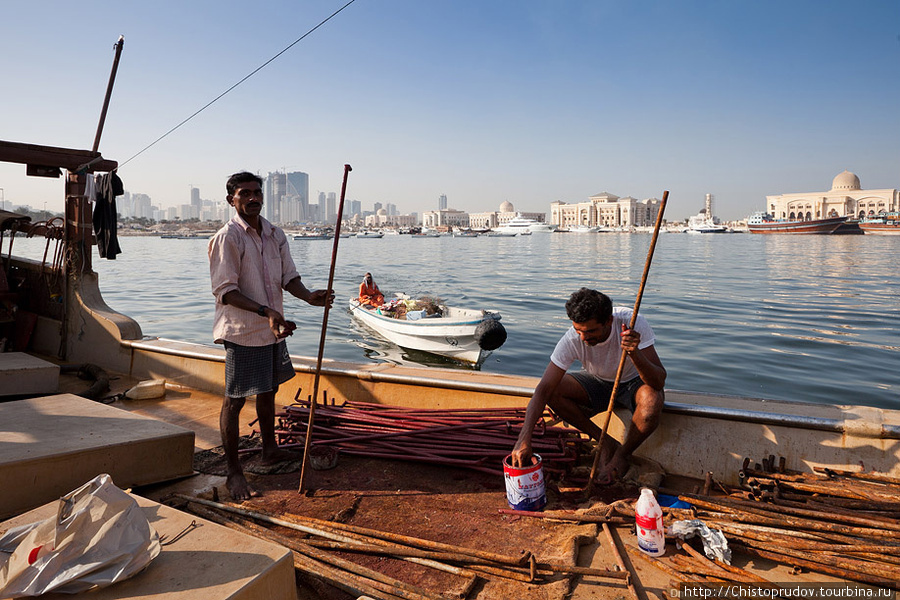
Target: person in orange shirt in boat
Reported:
[(369, 294)]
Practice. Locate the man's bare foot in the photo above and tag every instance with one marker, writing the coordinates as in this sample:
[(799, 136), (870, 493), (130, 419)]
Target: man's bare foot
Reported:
[(278, 456), (238, 487), (613, 470)]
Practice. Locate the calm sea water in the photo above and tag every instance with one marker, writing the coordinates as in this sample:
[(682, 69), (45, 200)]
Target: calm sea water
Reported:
[(808, 318)]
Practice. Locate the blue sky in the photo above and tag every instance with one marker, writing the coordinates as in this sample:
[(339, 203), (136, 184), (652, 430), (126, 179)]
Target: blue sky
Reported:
[(481, 100)]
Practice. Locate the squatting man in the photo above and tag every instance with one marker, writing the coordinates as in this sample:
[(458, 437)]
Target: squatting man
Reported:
[(598, 336)]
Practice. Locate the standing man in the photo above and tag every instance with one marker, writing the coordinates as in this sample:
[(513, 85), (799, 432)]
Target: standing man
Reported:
[(249, 265), (598, 336)]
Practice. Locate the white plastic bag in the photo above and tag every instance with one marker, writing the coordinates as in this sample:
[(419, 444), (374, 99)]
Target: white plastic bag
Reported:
[(98, 537)]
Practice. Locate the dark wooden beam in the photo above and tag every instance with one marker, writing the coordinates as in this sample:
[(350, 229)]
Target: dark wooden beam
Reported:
[(48, 156)]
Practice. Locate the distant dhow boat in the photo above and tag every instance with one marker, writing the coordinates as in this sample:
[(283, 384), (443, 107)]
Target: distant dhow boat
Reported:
[(887, 224), (766, 223)]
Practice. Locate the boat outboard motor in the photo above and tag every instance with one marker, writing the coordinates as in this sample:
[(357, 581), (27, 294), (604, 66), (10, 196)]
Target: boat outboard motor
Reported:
[(490, 334)]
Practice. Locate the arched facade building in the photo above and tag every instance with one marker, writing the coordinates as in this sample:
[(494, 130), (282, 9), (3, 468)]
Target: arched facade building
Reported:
[(845, 198)]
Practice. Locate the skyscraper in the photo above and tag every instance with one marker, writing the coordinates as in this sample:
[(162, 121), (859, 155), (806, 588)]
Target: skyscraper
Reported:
[(442, 202)]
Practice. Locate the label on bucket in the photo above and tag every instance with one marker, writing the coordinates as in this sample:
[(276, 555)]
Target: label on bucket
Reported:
[(525, 486)]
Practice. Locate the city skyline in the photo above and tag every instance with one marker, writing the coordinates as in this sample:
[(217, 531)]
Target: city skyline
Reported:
[(521, 101)]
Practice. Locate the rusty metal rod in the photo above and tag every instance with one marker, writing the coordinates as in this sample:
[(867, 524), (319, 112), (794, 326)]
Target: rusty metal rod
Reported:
[(634, 314), (748, 516), (767, 509), (379, 580), (818, 567), (334, 576), (864, 475), (296, 521), (328, 291), (617, 554), (346, 536), (564, 516), (736, 574)]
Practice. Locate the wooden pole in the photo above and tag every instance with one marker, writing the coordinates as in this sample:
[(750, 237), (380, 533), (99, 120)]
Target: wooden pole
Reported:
[(634, 314), (109, 88), (315, 394)]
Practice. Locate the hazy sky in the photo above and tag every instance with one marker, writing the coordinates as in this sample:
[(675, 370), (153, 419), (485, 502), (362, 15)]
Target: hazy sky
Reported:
[(481, 100)]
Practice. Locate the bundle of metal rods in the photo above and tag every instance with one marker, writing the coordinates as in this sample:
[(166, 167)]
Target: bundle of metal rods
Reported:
[(477, 439), (841, 523), (314, 554)]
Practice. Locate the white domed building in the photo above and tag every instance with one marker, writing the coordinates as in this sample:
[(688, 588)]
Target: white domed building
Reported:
[(845, 198)]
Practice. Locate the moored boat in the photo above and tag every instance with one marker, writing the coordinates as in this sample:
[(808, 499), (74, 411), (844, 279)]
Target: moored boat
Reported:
[(888, 224), (369, 235), (462, 334), (765, 223), (525, 226)]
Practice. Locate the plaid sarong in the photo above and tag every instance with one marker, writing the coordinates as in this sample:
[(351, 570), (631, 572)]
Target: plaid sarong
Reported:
[(251, 370)]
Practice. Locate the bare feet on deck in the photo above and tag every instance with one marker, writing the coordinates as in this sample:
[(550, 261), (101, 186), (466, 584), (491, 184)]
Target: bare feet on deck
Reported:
[(278, 456), (612, 470), (238, 487)]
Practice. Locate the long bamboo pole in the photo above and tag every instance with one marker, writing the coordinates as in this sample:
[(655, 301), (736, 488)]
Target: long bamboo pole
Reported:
[(315, 394), (634, 314)]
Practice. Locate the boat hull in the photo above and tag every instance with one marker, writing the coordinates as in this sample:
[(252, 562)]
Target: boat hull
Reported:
[(798, 227), (452, 336), (890, 228)]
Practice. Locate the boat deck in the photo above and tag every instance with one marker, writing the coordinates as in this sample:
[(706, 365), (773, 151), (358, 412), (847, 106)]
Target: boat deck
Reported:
[(439, 503)]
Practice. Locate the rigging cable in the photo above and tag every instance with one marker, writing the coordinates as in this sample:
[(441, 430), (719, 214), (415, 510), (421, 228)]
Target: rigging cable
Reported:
[(251, 74)]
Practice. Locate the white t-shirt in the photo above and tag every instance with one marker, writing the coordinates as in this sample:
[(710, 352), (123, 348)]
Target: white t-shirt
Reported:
[(603, 359)]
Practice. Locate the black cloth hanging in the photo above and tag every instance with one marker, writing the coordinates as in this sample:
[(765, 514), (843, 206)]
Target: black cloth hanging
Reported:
[(108, 186)]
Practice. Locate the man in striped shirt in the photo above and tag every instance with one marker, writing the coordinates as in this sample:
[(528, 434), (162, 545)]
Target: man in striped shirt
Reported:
[(250, 267)]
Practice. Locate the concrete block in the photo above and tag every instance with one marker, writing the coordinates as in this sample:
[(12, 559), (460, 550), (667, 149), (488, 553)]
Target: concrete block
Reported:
[(51, 445), (22, 374), (209, 562)]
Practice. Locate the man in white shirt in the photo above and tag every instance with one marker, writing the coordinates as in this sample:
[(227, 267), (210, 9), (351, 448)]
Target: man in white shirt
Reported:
[(598, 336), (250, 266)]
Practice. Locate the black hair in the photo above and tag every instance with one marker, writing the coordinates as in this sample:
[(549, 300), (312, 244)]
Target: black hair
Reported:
[(587, 304), (237, 179)]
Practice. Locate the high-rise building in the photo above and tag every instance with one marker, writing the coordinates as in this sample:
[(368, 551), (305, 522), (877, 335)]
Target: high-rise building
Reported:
[(331, 207), (296, 197), (195, 197), (442, 202), (355, 209)]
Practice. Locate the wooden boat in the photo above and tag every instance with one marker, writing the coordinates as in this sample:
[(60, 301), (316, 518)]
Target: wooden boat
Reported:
[(462, 334), (699, 433), (888, 224), (765, 223)]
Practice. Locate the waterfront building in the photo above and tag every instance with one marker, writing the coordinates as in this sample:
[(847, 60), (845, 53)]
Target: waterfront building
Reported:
[(846, 198), (384, 219), (449, 217), (605, 210)]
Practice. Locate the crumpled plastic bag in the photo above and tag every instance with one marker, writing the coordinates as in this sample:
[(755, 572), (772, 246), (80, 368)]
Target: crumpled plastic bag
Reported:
[(98, 537), (714, 543)]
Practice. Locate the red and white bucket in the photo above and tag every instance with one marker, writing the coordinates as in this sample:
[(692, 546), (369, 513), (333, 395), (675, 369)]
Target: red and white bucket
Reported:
[(525, 486)]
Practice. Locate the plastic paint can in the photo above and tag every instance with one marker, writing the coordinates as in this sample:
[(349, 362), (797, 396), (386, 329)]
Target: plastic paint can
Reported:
[(525, 486)]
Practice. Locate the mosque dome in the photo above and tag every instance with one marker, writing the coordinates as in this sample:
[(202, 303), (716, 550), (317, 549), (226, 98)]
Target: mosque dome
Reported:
[(845, 181), (381, 212), (507, 207)]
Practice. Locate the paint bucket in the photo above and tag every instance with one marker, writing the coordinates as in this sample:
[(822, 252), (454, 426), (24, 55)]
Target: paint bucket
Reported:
[(525, 486)]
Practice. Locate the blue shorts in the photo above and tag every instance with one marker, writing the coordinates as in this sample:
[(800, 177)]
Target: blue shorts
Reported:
[(252, 370), (599, 390)]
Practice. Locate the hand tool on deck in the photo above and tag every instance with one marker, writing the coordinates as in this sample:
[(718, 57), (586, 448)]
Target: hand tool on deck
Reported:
[(315, 394)]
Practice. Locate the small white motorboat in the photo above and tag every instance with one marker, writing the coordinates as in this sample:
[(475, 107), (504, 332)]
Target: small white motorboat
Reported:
[(462, 334), (369, 235)]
